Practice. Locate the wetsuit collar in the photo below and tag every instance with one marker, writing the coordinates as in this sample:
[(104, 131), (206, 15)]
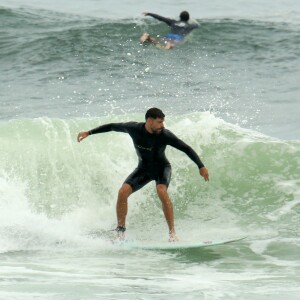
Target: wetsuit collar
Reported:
[(144, 126)]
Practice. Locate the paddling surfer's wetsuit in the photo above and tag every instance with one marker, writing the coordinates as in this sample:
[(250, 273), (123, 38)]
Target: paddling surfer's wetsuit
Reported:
[(150, 148), (179, 28)]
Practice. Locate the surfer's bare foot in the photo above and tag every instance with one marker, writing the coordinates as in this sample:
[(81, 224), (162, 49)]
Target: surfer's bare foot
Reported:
[(120, 233), (120, 237), (144, 37), (173, 238)]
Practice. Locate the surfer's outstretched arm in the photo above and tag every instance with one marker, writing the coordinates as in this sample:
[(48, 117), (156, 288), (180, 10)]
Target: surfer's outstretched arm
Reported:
[(119, 127), (177, 143), (160, 18)]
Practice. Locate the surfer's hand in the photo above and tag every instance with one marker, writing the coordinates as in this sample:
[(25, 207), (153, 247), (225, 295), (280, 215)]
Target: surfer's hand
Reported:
[(145, 13), (204, 173), (82, 135)]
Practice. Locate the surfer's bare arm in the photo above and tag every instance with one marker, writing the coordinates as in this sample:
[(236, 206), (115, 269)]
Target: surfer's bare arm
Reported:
[(204, 173), (82, 135)]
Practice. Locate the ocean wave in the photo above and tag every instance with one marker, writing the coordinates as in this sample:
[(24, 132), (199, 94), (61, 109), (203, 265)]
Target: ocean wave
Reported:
[(62, 31), (254, 179)]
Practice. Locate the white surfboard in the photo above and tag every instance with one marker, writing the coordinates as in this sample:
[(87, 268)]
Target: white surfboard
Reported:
[(176, 245)]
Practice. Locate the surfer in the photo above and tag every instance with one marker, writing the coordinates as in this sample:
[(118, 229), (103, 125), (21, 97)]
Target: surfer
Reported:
[(150, 139), (179, 29)]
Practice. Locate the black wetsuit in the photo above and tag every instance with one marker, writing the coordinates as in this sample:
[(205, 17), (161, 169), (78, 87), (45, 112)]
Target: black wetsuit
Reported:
[(150, 148), (178, 27)]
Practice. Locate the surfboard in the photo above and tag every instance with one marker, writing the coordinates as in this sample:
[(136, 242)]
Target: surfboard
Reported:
[(176, 245)]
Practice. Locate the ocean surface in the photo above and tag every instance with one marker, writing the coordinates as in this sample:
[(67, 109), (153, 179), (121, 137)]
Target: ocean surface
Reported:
[(231, 91)]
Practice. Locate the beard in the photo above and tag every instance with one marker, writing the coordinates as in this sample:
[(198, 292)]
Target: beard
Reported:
[(157, 131)]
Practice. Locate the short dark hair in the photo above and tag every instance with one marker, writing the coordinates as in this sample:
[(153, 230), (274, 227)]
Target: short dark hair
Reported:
[(154, 113), (184, 16)]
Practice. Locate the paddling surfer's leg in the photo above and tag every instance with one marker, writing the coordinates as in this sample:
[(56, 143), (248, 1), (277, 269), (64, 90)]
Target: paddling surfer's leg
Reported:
[(147, 38), (169, 45)]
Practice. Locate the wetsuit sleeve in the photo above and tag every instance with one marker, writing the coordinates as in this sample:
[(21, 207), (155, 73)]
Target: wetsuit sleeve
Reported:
[(194, 26), (119, 127), (177, 143), (163, 19)]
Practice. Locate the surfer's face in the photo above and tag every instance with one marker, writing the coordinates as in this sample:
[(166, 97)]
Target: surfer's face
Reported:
[(157, 125)]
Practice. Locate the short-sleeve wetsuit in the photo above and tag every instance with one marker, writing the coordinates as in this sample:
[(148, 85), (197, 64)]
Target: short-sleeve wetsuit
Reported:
[(178, 27), (150, 148)]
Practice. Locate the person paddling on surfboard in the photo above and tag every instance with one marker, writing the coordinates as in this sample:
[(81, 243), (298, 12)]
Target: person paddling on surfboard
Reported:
[(150, 139), (179, 29)]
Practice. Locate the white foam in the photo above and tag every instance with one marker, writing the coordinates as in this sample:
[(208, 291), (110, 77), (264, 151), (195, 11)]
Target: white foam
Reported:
[(22, 228)]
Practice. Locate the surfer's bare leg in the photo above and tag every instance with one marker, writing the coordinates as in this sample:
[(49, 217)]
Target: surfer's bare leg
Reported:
[(146, 38), (169, 45), (122, 206), (167, 209)]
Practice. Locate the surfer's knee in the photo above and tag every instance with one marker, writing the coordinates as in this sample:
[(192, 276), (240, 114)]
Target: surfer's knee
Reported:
[(161, 189), (125, 191)]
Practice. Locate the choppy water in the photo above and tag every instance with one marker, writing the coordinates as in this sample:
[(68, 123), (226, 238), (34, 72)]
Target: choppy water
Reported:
[(231, 91)]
